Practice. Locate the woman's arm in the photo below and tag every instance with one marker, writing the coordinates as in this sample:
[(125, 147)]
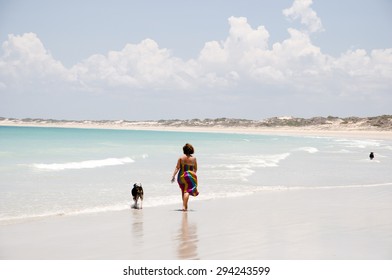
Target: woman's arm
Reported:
[(178, 166), (195, 167)]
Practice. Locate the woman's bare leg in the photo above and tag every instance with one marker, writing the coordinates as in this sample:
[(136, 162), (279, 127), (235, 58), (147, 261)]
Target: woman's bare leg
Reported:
[(185, 198)]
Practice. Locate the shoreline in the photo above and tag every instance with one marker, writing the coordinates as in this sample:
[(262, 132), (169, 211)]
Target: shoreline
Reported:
[(317, 131), (327, 224)]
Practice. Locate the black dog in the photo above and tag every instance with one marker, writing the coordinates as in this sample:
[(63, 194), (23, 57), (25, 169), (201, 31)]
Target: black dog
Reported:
[(137, 192)]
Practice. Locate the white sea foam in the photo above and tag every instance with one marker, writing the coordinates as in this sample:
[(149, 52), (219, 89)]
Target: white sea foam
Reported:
[(252, 161), (175, 199), (147, 203), (310, 150), (83, 164), (33, 216), (293, 188), (342, 151), (356, 143), (241, 167)]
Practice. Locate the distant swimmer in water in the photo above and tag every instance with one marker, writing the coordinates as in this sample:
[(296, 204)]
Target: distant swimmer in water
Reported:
[(371, 156)]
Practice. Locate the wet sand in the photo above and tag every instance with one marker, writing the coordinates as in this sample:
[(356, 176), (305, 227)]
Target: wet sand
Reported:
[(322, 224)]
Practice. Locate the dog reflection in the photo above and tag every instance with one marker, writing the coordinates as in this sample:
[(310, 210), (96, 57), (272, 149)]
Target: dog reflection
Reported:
[(137, 227), (187, 237)]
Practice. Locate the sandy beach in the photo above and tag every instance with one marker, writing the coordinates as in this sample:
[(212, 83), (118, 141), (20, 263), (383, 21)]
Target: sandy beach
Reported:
[(331, 130), (322, 224)]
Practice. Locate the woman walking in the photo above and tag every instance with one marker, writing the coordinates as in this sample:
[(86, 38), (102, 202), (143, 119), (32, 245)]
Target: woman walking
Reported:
[(187, 179)]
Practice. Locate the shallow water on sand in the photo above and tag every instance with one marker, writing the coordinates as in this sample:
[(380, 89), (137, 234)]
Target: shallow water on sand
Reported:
[(63, 171)]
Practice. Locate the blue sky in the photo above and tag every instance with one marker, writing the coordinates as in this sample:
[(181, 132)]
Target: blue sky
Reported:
[(195, 59)]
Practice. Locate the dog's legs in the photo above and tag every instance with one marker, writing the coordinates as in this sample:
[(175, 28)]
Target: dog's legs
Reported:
[(135, 203)]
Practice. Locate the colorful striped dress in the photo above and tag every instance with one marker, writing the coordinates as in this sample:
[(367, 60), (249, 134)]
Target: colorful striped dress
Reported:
[(187, 179)]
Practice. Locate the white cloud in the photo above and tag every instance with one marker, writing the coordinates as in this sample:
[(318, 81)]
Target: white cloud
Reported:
[(242, 39), (213, 53), (230, 60), (358, 63), (301, 10), (246, 52), (363, 73), (243, 57), (142, 65), (244, 61), (26, 62)]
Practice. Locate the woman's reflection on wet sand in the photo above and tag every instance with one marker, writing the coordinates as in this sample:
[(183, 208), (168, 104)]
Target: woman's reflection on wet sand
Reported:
[(187, 239)]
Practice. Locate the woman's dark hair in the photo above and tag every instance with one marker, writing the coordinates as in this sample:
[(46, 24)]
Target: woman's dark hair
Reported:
[(188, 149)]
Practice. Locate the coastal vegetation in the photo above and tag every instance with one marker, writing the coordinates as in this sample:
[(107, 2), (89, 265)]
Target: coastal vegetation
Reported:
[(383, 122)]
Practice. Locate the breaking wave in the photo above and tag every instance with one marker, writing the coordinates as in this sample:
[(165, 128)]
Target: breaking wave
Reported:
[(83, 164), (310, 150), (174, 199)]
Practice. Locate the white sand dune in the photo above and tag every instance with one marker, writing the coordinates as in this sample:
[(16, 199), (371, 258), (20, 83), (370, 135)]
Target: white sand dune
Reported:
[(331, 129)]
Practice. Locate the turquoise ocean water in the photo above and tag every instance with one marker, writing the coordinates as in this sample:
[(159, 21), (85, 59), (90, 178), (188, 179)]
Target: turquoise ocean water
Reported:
[(62, 171)]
